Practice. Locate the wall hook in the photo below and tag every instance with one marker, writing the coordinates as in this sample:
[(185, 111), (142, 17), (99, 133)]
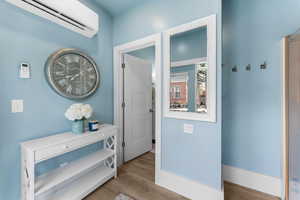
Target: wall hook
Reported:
[(248, 67), (234, 69), (263, 66)]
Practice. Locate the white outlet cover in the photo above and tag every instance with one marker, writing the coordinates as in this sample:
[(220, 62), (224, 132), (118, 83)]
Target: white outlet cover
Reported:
[(17, 106), (188, 128)]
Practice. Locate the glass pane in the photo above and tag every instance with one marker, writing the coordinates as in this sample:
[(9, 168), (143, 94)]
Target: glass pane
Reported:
[(201, 93), (179, 91)]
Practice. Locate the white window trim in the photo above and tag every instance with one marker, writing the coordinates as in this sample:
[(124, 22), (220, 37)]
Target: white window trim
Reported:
[(188, 62), (210, 116)]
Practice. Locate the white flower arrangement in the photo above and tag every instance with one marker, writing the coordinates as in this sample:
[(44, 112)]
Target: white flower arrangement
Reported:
[(79, 111)]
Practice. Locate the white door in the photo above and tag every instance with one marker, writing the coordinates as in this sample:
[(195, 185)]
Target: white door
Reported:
[(138, 103)]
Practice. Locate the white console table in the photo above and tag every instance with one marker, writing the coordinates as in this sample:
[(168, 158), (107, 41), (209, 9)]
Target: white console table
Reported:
[(78, 178)]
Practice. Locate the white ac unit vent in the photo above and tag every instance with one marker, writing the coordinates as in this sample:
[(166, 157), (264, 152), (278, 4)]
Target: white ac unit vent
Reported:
[(71, 14)]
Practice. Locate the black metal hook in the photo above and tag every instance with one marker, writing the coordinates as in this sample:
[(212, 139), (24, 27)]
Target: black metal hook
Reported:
[(234, 69), (263, 66), (248, 67)]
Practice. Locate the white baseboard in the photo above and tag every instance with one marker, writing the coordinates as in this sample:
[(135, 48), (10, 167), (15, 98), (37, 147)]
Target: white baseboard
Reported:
[(188, 188), (259, 182)]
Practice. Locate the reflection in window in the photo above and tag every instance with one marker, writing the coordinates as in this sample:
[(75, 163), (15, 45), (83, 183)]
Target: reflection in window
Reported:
[(201, 90), (179, 92)]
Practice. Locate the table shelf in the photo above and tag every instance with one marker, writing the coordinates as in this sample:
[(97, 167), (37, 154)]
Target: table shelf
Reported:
[(58, 176), (81, 187)]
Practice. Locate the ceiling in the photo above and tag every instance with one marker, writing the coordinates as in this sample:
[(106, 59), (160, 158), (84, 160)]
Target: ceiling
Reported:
[(115, 7)]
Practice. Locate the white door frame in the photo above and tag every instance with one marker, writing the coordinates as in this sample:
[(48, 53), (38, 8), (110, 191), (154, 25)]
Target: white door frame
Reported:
[(285, 137), (153, 40)]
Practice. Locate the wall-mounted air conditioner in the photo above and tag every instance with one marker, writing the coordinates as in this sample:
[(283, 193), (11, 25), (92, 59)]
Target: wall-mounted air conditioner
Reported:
[(71, 14)]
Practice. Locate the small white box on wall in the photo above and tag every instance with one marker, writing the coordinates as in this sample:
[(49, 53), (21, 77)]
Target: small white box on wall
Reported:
[(17, 106), (24, 71), (188, 128)]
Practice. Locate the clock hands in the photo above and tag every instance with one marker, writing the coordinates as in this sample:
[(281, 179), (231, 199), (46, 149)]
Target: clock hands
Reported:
[(75, 76), (68, 76)]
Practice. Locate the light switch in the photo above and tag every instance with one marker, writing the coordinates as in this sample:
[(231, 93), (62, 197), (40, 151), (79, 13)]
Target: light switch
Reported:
[(188, 128), (17, 106)]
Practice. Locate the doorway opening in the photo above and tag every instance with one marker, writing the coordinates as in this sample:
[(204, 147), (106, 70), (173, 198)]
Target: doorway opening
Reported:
[(139, 102), (137, 99)]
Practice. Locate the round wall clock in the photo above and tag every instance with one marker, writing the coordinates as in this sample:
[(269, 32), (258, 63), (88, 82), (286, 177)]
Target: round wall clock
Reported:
[(72, 74)]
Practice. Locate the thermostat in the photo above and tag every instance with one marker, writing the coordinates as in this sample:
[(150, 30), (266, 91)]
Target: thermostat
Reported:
[(24, 70)]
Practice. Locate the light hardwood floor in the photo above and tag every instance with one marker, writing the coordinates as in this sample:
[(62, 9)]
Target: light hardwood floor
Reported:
[(136, 179), (235, 192)]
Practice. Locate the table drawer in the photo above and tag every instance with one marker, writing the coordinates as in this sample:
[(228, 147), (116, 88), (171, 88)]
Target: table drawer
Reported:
[(59, 149), (51, 152)]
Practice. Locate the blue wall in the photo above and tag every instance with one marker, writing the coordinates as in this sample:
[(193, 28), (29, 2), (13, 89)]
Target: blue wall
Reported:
[(147, 53), (185, 46), (202, 149), (189, 45), (252, 100), (24, 37)]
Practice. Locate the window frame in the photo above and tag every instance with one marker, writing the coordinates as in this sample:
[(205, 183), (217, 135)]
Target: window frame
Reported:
[(211, 59)]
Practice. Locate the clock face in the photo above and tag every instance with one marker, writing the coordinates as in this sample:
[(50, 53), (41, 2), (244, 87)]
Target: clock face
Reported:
[(72, 74)]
